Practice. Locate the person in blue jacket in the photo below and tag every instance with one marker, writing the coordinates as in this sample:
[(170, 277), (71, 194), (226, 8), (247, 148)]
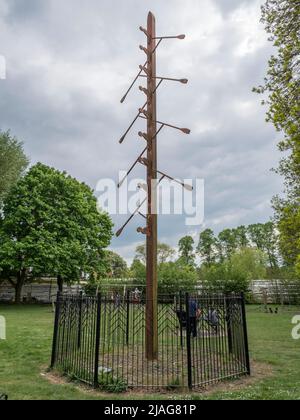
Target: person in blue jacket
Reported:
[(193, 312)]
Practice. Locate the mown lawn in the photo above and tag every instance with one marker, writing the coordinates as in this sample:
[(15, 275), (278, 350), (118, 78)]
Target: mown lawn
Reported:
[(25, 355), (271, 342)]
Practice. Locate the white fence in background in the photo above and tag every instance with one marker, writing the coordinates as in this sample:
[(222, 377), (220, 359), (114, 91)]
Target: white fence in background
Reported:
[(275, 291), (261, 291), (35, 292)]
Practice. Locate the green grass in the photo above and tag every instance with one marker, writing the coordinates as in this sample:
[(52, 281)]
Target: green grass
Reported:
[(26, 354), (271, 342)]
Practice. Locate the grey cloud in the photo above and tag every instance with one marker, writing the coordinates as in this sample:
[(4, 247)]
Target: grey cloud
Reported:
[(227, 6), (24, 10)]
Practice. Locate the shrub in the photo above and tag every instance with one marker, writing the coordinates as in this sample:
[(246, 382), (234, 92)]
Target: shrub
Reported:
[(235, 274), (110, 384)]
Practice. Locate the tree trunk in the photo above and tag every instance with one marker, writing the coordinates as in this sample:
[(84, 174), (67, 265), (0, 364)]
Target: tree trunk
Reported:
[(18, 293), (60, 283), (21, 278)]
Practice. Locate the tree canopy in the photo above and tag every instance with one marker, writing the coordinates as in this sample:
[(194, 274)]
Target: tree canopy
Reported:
[(234, 274), (51, 225), (117, 266), (282, 21), (164, 253), (186, 250), (174, 276), (217, 249), (207, 246), (282, 89), (13, 162)]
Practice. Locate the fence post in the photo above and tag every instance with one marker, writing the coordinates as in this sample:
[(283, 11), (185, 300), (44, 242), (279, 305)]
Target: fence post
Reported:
[(188, 341), (97, 343), (127, 316), (228, 321), (181, 318), (245, 330), (80, 320), (55, 334)]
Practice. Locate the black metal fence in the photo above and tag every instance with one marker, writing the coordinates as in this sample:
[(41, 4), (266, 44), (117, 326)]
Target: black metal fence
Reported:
[(101, 341)]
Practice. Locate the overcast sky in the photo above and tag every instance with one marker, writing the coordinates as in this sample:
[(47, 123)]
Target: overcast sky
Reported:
[(69, 63)]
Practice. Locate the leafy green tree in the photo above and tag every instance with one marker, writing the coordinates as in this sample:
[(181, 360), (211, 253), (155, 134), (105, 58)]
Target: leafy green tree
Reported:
[(224, 278), (227, 243), (235, 274), (173, 276), (241, 236), (138, 272), (207, 246), (141, 253), (251, 262), (164, 253), (13, 162), (51, 225), (256, 235), (220, 255), (186, 250), (271, 244), (265, 238), (282, 88), (289, 227), (281, 19), (117, 266), (287, 217)]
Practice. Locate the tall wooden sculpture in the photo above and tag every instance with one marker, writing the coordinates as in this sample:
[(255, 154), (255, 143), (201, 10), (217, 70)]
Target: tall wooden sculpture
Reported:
[(148, 158)]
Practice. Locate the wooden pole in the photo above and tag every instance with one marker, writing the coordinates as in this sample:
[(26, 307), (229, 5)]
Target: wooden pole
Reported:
[(152, 288), (148, 71)]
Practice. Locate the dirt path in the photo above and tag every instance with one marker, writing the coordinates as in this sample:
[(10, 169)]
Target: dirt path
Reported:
[(260, 371)]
